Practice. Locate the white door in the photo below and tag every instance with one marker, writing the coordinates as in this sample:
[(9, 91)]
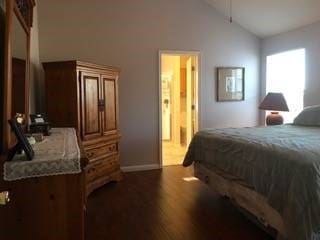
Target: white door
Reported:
[(195, 74), (189, 97)]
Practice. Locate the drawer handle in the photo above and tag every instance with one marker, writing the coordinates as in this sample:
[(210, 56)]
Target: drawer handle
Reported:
[(206, 179), (90, 154), (112, 148), (4, 198), (101, 105)]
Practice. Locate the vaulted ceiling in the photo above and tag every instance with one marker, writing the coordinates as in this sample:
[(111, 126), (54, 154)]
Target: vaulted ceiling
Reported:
[(270, 17)]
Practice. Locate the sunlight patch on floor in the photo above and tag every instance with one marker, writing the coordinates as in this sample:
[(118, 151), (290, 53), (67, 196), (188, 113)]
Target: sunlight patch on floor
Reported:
[(190, 179)]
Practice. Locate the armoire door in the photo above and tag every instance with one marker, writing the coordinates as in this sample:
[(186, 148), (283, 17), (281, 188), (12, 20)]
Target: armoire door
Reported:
[(90, 106), (109, 91)]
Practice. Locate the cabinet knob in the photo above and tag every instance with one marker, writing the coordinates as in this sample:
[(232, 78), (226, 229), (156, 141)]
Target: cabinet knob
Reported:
[(4, 198), (90, 154), (112, 148)]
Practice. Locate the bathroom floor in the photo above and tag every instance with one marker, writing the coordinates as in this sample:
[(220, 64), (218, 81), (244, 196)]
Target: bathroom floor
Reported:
[(172, 154)]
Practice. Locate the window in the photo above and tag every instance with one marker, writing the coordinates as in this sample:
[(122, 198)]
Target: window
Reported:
[(286, 74)]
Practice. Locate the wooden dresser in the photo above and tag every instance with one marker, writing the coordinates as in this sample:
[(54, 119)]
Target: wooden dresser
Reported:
[(85, 96), (46, 207)]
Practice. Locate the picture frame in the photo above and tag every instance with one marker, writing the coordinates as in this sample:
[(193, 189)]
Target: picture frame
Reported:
[(230, 84), (22, 142)]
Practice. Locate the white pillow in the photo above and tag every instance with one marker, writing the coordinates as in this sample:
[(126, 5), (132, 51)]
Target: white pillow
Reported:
[(310, 116)]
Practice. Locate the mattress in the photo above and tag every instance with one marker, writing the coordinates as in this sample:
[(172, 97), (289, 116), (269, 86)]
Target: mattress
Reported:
[(282, 163)]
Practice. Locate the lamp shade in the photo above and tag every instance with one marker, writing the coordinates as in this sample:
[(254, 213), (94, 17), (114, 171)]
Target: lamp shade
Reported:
[(274, 102)]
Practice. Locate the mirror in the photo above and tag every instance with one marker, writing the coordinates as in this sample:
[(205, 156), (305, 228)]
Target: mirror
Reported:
[(2, 5), (14, 87), (19, 66)]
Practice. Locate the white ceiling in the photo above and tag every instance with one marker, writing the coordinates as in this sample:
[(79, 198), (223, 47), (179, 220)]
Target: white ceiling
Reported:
[(269, 17)]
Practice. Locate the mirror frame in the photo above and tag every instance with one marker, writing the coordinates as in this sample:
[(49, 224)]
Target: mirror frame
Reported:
[(12, 10)]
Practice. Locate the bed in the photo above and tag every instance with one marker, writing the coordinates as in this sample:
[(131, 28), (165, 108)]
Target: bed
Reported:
[(272, 172)]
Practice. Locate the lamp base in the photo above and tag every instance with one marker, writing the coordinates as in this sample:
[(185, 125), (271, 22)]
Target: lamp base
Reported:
[(274, 118)]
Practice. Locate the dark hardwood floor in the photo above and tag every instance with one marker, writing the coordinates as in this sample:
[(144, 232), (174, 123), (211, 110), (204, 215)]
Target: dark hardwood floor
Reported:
[(160, 205)]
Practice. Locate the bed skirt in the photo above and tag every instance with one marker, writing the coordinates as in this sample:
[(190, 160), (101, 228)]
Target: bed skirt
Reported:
[(243, 196)]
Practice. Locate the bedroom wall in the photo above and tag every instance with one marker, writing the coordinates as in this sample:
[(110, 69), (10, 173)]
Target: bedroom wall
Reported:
[(306, 37), (129, 34)]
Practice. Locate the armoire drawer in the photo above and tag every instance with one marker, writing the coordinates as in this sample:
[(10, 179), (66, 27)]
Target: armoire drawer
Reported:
[(102, 168), (101, 151)]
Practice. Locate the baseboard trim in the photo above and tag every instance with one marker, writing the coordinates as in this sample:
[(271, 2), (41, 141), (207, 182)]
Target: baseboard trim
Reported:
[(138, 168)]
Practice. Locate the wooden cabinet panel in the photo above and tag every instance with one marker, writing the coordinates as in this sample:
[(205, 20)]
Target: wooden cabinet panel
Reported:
[(105, 166), (96, 152), (108, 166), (61, 95), (109, 95), (91, 120)]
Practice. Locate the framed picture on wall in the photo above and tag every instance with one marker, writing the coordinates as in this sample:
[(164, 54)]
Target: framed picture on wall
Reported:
[(230, 84)]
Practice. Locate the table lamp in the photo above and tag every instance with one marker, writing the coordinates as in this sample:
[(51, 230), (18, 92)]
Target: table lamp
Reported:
[(274, 102)]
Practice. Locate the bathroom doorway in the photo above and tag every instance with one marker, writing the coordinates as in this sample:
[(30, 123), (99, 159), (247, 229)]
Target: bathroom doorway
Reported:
[(179, 77)]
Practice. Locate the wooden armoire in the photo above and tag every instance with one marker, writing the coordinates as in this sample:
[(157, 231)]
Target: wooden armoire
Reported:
[(85, 96)]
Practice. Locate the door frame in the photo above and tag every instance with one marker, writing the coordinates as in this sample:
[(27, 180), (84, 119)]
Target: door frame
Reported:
[(177, 53)]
